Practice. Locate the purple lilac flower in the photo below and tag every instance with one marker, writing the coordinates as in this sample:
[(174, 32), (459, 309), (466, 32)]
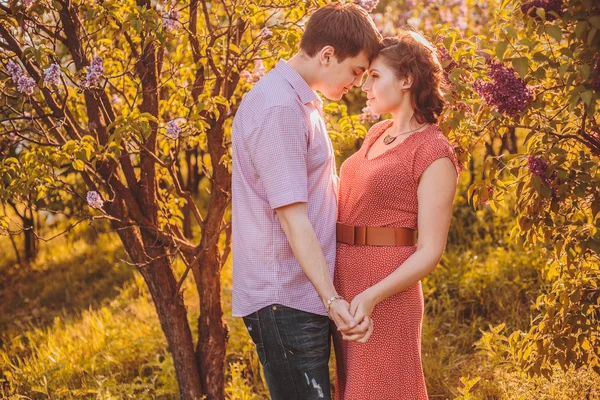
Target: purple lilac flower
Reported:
[(547, 5), (538, 167), (14, 70), (266, 33), (253, 77), (507, 92), (170, 20), (173, 129), (26, 85), (461, 21), (94, 200), (367, 115), (368, 5), (116, 99), (259, 69), (444, 56), (52, 75), (246, 75), (94, 72)]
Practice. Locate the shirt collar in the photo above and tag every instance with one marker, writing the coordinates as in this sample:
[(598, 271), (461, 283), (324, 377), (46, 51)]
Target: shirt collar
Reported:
[(306, 94)]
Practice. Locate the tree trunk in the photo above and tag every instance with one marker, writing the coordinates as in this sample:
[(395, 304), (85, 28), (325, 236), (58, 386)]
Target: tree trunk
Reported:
[(172, 314), (29, 232), (213, 333)]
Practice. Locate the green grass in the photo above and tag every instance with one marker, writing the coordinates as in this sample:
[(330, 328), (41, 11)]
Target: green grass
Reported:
[(79, 323)]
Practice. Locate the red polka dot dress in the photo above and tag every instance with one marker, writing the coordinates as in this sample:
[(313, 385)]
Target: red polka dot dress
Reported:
[(383, 192)]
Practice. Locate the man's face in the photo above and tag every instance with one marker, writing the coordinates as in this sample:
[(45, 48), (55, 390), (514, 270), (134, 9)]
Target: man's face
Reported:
[(339, 77)]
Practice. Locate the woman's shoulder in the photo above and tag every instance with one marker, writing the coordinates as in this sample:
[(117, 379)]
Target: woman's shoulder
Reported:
[(434, 144), (432, 135)]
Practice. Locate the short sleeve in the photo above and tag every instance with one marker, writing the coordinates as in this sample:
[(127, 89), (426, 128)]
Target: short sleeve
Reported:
[(431, 150), (278, 150)]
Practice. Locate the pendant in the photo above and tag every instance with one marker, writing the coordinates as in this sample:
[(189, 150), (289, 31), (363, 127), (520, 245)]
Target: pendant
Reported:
[(388, 139)]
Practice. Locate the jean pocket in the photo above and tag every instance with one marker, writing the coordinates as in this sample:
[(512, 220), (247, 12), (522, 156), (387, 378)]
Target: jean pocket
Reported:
[(253, 326), (303, 333)]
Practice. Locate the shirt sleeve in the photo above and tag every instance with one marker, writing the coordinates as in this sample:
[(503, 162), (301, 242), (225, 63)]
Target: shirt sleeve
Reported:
[(278, 150), (430, 151)]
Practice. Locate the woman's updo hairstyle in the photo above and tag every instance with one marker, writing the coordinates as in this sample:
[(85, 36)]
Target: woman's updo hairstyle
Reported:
[(410, 54)]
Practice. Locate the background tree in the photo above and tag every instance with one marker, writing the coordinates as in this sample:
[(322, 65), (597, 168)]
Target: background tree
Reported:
[(137, 98), (531, 68)]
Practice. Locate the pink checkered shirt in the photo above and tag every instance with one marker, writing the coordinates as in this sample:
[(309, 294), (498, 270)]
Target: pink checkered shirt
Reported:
[(282, 154)]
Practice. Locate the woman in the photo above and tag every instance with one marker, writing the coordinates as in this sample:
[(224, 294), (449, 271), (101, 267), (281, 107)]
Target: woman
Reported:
[(404, 177)]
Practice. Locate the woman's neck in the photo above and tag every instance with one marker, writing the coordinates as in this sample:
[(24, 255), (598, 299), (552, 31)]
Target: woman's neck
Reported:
[(404, 119)]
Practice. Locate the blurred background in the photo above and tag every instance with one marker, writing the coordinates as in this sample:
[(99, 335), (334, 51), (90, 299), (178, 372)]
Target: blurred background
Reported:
[(511, 311)]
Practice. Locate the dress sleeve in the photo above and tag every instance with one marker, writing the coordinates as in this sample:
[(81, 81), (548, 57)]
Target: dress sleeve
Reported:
[(431, 150)]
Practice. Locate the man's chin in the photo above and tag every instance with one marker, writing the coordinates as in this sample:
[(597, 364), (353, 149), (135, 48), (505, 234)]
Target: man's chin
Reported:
[(333, 97)]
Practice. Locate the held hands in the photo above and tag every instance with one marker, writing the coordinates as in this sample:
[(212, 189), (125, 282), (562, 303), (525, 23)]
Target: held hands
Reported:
[(354, 320)]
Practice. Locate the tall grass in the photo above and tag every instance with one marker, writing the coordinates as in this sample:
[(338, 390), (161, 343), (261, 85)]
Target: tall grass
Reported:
[(79, 323)]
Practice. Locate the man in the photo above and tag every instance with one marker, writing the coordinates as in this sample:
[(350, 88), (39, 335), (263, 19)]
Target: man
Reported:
[(284, 203)]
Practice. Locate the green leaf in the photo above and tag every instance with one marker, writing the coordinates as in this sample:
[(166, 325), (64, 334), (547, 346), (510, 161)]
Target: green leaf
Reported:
[(555, 32), (78, 165), (591, 35), (521, 65), (149, 116), (563, 69), (585, 71), (537, 183), (510, 30), (546, 192), (501, 49), (595, 20), (541, 13), (581, 28), (587, 97)]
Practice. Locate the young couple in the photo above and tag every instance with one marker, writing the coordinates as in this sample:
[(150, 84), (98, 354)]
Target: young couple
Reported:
[(314, 255)]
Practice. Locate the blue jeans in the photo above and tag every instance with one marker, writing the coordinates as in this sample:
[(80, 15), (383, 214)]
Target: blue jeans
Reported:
[(293, 347)]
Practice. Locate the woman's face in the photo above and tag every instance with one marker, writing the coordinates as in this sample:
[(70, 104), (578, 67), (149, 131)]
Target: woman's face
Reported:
[(385, 92)]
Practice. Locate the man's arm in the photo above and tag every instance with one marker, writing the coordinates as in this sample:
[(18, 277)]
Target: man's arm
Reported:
[(307, 249)]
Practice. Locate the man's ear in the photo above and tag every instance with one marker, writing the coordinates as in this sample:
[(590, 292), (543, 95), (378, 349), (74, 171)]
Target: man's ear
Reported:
[(326, 55)]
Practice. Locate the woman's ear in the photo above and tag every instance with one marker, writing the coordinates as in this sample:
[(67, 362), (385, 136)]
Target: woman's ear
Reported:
[(407, 83)]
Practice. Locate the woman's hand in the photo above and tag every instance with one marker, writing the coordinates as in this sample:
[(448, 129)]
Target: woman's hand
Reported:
[(361, 308)]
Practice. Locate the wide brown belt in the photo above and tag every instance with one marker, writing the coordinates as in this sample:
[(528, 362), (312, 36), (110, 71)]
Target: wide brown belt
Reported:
[(375, 235)]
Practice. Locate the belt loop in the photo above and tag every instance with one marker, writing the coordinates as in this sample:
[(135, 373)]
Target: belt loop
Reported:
[(360, 235), (349, 234)]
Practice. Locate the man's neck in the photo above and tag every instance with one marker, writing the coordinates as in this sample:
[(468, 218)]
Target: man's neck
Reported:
[(303, 65)]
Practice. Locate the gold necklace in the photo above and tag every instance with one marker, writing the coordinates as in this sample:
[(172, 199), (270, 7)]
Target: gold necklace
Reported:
[(389, 139)]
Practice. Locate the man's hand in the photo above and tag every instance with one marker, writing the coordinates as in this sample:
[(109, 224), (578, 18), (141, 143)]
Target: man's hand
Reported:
[(339, 311)]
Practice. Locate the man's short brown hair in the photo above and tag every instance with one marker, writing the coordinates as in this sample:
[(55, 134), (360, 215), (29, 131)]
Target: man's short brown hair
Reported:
[(346, 27)]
